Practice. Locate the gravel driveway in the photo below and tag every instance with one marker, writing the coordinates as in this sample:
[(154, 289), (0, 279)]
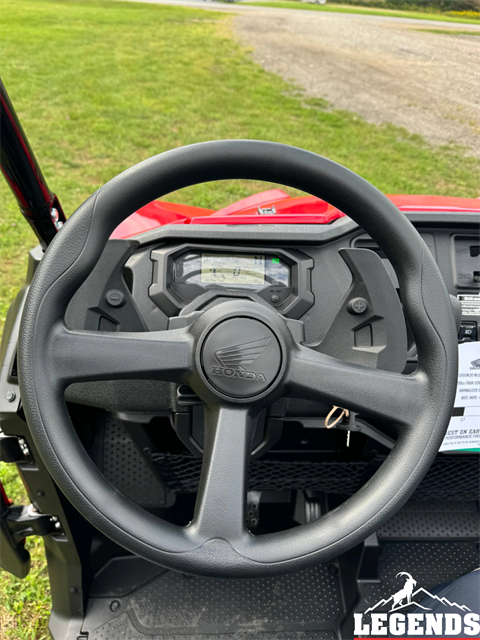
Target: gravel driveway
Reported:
[(386, 71)]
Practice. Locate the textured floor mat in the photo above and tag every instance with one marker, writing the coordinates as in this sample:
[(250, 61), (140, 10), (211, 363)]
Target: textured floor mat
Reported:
[(433, 519), (306, 605), (122, 629)]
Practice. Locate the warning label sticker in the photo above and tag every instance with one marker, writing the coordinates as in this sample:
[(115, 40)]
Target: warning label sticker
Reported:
[(470, 303), (464, 428)]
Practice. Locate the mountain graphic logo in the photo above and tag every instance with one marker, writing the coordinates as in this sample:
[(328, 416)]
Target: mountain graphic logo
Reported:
[(238, 356), (430, 616), (408, 596), (475, 364)]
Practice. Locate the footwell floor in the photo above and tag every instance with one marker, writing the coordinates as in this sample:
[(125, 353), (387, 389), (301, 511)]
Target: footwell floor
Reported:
[(132, 599)]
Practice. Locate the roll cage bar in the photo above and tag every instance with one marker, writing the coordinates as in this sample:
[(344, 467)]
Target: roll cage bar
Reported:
[(39, 205)]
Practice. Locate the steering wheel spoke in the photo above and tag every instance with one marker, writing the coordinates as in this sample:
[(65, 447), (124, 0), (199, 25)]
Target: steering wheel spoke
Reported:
[(81, 356), (220, 507), (391, 397)]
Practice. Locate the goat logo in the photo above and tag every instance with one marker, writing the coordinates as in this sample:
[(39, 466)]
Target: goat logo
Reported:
[(404, 596), (409, 595), (431, 616)]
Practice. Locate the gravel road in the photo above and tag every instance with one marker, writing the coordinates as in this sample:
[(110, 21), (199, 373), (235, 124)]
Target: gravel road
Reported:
[(386, 71)]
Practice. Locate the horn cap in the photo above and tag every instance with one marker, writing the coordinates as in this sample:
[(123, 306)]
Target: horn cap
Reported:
[(241, 357)]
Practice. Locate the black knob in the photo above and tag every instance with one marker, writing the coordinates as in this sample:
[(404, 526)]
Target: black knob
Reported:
[(115, 298)]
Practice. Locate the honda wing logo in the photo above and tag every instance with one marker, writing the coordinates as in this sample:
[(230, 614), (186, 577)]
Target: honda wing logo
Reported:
[(449, 618), (238, 355), (234, 360)]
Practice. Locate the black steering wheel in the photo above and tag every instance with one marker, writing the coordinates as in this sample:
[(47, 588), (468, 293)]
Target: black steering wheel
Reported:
[(217, 542)]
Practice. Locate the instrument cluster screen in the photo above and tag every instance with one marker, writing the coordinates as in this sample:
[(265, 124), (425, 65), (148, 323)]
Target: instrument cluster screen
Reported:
[(231, 270)]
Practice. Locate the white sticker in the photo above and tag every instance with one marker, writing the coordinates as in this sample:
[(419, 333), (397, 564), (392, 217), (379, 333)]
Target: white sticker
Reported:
[(464, 428), (470, 304)]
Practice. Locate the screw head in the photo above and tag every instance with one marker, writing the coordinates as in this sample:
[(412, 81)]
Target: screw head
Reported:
[(115, 605), (357, 306), (10, 396), (275, 298), (40, 494), (73, 590)]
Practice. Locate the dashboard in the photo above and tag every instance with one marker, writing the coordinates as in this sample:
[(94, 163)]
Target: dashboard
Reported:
[(308, 273)]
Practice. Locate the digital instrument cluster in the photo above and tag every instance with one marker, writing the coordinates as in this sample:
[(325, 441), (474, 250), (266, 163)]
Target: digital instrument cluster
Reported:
[(231, 270), (183, 273)]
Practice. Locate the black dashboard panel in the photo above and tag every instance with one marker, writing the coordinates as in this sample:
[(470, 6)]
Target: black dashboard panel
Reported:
[(466, 260), (184, 272), (319, 280)]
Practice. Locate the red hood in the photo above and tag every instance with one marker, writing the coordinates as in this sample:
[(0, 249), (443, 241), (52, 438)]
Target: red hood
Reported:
[(283, 210)]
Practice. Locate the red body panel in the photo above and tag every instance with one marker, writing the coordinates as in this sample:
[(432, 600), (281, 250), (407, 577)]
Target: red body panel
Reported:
[(156, 214), (302, 210)]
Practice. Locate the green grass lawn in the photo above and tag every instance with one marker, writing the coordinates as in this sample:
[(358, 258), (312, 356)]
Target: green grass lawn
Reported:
[(100, 86), (447, 32), (370, 11)]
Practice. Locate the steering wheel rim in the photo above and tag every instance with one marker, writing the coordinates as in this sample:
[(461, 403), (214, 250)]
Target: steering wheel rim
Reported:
[(217, 542)]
